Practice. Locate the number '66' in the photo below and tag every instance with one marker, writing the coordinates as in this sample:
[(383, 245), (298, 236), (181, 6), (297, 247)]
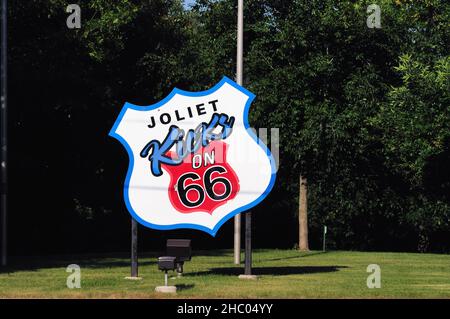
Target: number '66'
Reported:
[(209, 183)]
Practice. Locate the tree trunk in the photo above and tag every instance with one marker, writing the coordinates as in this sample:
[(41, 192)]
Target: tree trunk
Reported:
[(303, 215)]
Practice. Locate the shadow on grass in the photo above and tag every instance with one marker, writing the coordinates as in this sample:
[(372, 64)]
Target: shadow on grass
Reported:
[(182, 287), (214, 252), (273, 271), (111, 264), (303, 255), (34, 264), (95, 261)]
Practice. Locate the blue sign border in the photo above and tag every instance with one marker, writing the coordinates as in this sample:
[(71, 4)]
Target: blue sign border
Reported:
[(213, 231)]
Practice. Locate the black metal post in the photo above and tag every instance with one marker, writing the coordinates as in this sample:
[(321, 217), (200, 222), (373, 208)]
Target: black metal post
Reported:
[(134, 256), (248, 243), (4, 182)]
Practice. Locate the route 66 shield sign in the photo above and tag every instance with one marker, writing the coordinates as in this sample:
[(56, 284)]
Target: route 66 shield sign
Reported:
[(193, 160)]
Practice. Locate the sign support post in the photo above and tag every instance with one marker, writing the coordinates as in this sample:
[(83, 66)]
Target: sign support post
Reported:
[(248, 248), (134, 255)]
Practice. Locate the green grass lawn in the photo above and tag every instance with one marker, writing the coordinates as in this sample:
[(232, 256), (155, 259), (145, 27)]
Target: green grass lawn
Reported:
[(282, 274)]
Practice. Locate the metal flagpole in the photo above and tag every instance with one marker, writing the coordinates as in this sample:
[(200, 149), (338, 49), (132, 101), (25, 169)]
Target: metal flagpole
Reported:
[(3, 137), (239, 72), (248, 215)]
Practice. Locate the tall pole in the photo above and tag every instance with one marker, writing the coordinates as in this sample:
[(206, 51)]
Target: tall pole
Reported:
[(239, 72), (134, 257), (4, 184)]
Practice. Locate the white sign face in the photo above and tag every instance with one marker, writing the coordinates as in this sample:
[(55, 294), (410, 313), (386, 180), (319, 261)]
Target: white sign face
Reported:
[(194, 162)]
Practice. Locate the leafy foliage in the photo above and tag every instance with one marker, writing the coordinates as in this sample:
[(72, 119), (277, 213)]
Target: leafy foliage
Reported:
[(363, 113)]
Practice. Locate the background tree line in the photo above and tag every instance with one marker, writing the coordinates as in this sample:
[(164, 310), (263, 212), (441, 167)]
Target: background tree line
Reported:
[(363, 114)]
